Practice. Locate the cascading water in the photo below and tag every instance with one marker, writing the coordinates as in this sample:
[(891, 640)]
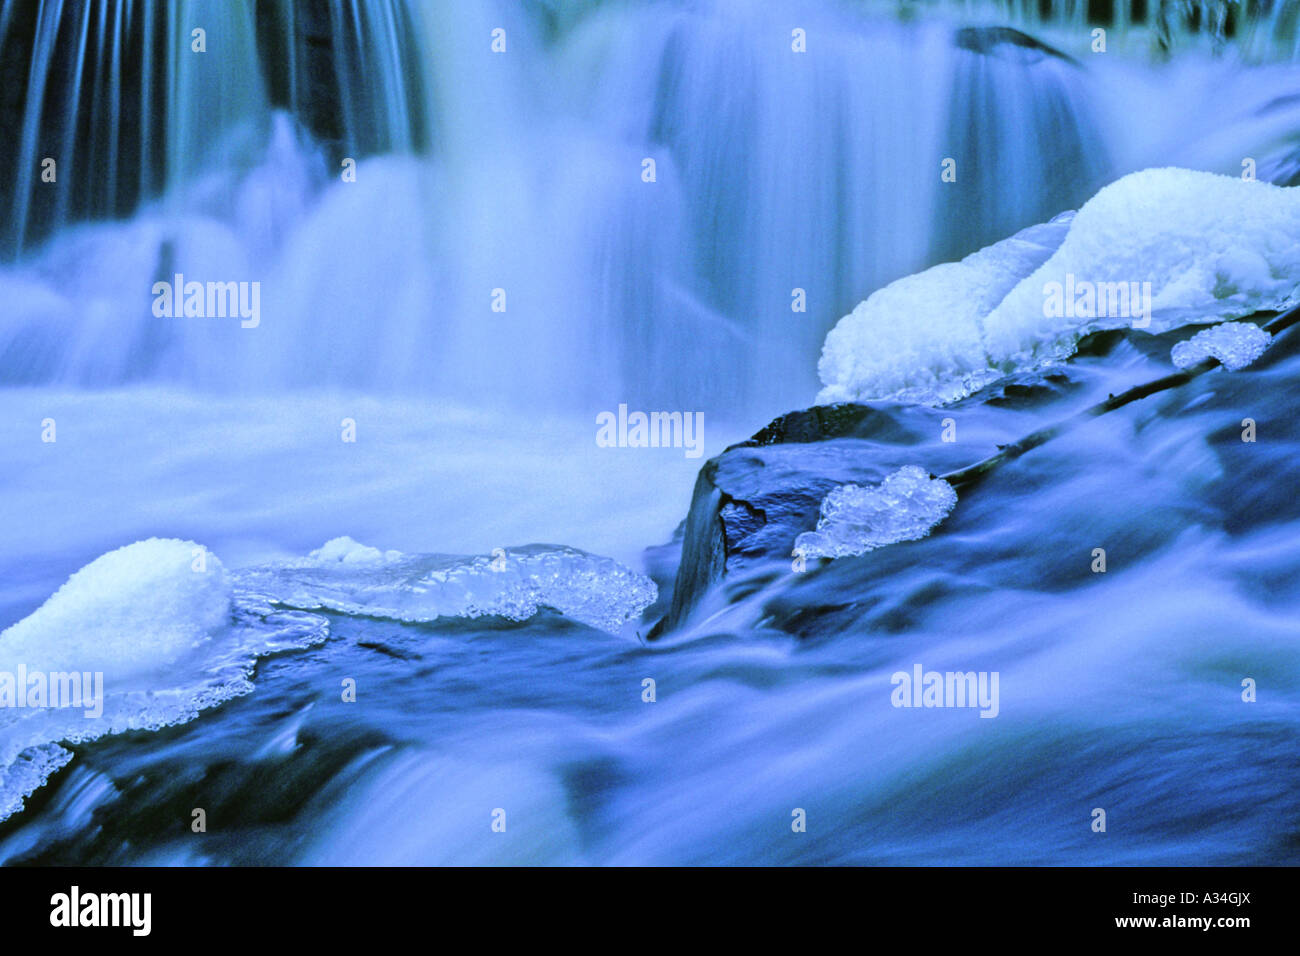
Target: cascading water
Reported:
[(110, 93), (521, 172)]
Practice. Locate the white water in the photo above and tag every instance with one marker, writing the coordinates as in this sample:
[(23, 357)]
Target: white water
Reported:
[(775, 171)]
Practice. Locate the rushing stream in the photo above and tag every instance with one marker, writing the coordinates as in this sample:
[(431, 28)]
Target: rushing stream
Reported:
[(427, 591)]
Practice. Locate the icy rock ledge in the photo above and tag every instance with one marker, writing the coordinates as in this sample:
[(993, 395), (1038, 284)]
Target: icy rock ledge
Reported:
[(855, 520), (921, 339), (351, 578)]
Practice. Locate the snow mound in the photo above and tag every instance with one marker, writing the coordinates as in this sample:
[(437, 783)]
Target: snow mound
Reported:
[(1212, 247), (150, 635), (138, 607), (921, 339), (1157, 250), (1234, 344), (345, 551), (855, 520), (514, 583)]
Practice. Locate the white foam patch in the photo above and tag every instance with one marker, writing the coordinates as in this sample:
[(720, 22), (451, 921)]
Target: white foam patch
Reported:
[(153, 634), (1234, 344), (1200, 248), (855, 520)]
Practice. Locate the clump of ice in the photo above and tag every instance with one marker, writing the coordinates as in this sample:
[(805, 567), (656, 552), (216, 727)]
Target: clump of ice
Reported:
[(155, 634), (855, 520), (921, 339), (346, 551), (515, 583), (1200, 248), (1234, 344)]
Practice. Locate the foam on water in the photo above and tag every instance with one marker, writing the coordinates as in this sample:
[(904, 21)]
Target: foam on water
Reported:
[(514, 583)]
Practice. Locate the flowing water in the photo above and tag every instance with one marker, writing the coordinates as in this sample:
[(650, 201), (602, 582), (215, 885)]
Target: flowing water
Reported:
[(520, 179)]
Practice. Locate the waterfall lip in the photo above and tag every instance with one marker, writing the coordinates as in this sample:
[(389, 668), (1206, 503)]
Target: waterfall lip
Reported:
[(990, 40)]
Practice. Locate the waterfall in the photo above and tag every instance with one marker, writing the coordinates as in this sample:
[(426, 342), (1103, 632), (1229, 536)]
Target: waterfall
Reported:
[(660, 203), (109, 106), (134, 99)]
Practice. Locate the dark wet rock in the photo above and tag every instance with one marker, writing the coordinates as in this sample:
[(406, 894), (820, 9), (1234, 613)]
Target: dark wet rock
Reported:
[(752, 501), (998, 40), (93, 118), (822, 422), (316, 68), (703, 552), (660, 564)]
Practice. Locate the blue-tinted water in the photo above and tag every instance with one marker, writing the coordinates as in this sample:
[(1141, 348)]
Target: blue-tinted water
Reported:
[(1120, 691)]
